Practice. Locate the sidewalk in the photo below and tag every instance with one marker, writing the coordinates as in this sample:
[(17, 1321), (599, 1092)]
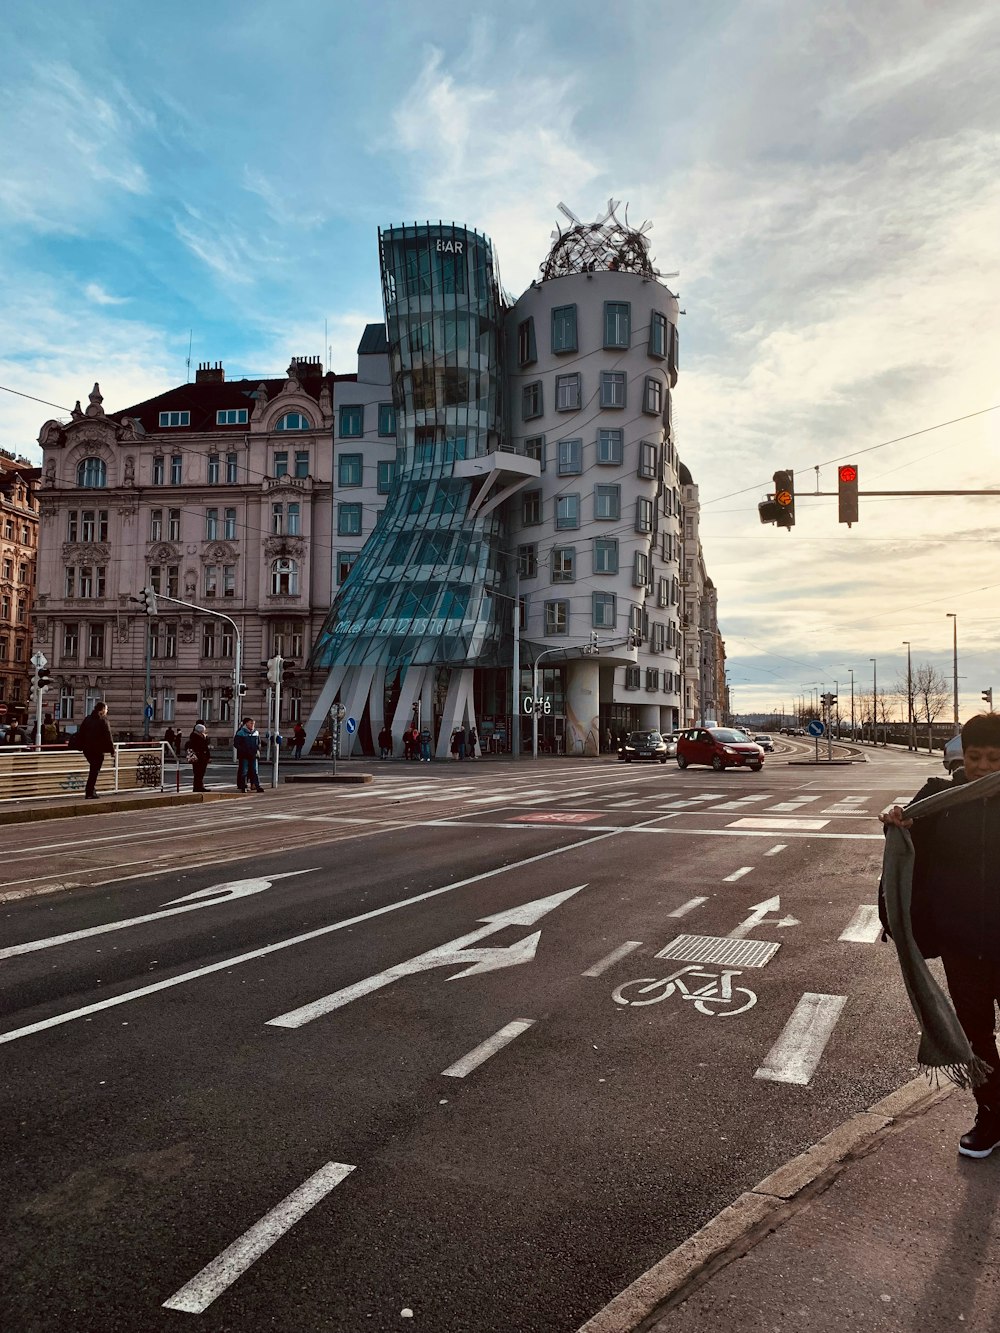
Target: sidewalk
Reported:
[(881, 1226)]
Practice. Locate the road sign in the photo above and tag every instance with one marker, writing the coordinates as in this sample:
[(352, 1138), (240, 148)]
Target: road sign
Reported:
[(351, 726), (39, 660), (149, 712), (816, 727)]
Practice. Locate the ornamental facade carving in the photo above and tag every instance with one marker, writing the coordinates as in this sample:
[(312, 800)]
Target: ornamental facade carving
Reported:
[(219, 553), (293, 548), (162, 553), (86, 553)]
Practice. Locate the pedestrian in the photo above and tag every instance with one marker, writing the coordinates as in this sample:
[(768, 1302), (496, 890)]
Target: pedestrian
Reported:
[(299, 737), (425, 745), (473, 742), (171, 738), (94, 739), (454, 744), (385, 742), (408, 742), (50, 732), (247, 745), (609, 741), (199, 752), (951, 910)]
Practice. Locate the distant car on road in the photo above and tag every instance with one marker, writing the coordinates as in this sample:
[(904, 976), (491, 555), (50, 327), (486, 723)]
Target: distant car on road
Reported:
[(720, 747), (765, 743), (954, 755), (644, 745)]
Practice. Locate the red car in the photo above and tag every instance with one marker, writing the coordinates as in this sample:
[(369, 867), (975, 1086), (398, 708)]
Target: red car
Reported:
[(721, 747)]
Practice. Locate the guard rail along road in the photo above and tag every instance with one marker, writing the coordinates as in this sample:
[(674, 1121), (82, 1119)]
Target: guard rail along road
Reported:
[(28, 772)]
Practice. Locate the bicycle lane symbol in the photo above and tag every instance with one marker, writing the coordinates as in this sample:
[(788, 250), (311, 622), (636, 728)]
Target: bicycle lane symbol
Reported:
[(717, 997)]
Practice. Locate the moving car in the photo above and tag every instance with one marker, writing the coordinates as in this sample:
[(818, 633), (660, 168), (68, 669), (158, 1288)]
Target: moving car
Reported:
[(721, 747), (765, 743), (644, 745), (954, 755)]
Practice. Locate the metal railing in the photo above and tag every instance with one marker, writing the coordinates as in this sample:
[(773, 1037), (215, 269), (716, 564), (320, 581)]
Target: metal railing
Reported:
[(31, 772)]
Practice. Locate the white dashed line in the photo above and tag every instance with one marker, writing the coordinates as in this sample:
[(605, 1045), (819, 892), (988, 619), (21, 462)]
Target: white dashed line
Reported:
[(486, 1048), (794, 1056), (778, 847), (610, 959), (689, 906), (737, 874), (864, 926)]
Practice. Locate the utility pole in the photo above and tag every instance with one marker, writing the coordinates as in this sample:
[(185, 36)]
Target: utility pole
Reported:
[(874, 663), (953, 617), (911, 741)]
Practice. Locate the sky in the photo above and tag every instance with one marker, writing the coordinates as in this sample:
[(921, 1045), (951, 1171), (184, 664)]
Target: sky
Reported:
[(822, 177)]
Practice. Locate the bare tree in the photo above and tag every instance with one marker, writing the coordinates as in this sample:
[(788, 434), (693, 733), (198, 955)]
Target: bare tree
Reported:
[(930, 692), (883, 702)]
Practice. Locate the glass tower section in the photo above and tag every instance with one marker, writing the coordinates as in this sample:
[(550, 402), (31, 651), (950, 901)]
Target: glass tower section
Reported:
[(423, 590)]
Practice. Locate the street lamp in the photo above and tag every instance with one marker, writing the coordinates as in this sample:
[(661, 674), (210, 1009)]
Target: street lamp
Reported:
[(874, 700), (851, 670), (911, 741), (953, 617)]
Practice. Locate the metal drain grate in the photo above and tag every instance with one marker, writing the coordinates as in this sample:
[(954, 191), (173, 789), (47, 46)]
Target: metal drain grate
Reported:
[(712, 949)]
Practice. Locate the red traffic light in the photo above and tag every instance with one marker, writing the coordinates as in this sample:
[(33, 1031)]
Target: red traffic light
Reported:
[(848, 472)]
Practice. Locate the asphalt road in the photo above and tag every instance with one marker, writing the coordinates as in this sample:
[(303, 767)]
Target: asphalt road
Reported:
[(419, 1065)]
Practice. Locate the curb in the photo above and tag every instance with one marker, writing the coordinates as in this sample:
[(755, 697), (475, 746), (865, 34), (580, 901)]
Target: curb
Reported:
[(757, 1213), (112, 806)]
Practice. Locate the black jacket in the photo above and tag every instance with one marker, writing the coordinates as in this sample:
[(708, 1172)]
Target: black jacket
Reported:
[(199, 746), (95, 736)]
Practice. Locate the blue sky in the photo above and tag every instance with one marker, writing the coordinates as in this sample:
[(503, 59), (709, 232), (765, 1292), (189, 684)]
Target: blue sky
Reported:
[(822, 176)]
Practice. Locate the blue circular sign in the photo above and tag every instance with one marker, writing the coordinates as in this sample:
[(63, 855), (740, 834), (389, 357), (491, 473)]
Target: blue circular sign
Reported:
[(149, 712), (816, 727), (351, 726)]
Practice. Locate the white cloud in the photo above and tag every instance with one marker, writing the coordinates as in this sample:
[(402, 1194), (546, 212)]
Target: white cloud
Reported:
[(93, 291)]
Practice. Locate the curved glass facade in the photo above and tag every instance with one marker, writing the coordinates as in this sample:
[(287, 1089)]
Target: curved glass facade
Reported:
[(423, 589)]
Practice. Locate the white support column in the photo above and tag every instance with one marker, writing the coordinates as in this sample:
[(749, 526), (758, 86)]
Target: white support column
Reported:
[(410, 685), (354, 695), (321, 707), (583, 697)]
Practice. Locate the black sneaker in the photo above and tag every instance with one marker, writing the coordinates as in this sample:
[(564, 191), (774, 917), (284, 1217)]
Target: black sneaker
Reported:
[(982, 1138)]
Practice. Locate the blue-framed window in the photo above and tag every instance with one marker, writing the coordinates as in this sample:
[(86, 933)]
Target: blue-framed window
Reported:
[(399, 552), (563, 564), (603, 610), (556, 618), (607, 502), (531, 400), (168, 420), (659, 335), (612, 388), (564, 329), (423, 449), (617, 323), (386, 419), (570, 458), (454, 602), (449, 497), (386, 475), (605, 555), (434, 548), (610, 447), (569, 392), (348, 520), (352, 420), (294, 421), (231, 416), (92, 473), (349, 470), (567, 511)]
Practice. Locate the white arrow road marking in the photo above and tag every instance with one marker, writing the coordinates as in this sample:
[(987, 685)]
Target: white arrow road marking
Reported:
[(757, 915), (218, 893), (611, 958), (454, 954), (864, 926), (487, 1048), (794, 1056), (197, 1295)]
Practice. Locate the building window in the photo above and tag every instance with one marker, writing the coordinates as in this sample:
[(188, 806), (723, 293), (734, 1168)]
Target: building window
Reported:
[(229, 580), (169, 704), (454, 447), (345, 563), (612, 388), (293, 515), (348, 520), (531, 508), (617, 324), (168, 420), (527, 560), (176, 469), (71, 641), (640, 569), (652, 678), (302, 463), (647, 459), (208, 639), (95, 641), (564, 329), (66, 703), (349, 470), (158, 472), (213, 469), (231, 416), (352, 420), (448, 497), (232, 469), (568, 392), (567, 511), (563, 564), (603, 610), (211, 525), (556, 618), (675, 353), (570, 458), (653, 396), (229, 529), (605, 555), (659, 639), (534, 447), (386, 420), (293, 421), (632, 677), (92, 474), (531, 400), (4, 650), (211, 580), (607, 502), (610, 447), (173, 525), (662, 592), (643, 514), (281, 462), (386, 475), (658, 335), (526, 351), (286, 639)]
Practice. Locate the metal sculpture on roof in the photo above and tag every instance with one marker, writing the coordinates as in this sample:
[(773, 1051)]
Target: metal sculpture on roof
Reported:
[(606, 244)]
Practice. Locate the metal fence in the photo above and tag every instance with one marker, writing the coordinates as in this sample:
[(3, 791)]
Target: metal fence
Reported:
[(29, 772)]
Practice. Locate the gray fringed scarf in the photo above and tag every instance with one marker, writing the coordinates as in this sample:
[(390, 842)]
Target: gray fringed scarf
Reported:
[(943, 1044)]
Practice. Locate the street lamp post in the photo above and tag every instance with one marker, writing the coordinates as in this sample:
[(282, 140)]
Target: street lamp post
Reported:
[(911, 742), (953, 617), (874, 700)]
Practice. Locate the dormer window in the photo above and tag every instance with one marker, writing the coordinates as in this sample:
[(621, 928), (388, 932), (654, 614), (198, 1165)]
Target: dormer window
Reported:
[(232, 416), (168, 420), (294, 421)]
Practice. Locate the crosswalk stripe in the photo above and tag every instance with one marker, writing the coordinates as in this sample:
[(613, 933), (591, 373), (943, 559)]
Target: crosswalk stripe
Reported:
[(864, 926), (794, 1056)]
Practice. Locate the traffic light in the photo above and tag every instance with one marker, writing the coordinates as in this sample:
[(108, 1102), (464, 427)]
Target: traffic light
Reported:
[(227, 691), (988, 696), (241, 689), (779, 507), (147, 600), (274, 670), (847, 493), (44, 678)]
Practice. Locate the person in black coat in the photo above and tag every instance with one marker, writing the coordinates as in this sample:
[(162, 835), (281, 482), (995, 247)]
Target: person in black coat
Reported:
[(95, 742), (199, 753)]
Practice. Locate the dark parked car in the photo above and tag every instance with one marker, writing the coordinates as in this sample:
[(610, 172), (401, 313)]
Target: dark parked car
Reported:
[(644, 745), (721, 747)]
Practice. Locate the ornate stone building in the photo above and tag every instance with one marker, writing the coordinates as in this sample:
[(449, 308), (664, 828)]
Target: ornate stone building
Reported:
[(18, 549)]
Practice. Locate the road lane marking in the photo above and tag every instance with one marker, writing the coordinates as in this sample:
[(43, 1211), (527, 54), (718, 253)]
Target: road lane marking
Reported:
[(742, 802), (197, 1295), (689, 906), (168, 982), (786, 807), (737, 874), (779, 823), (794, 1056), (556, 817), (778, 847), (864, 926), (611, 958), (736, 830), (487, 1048)]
